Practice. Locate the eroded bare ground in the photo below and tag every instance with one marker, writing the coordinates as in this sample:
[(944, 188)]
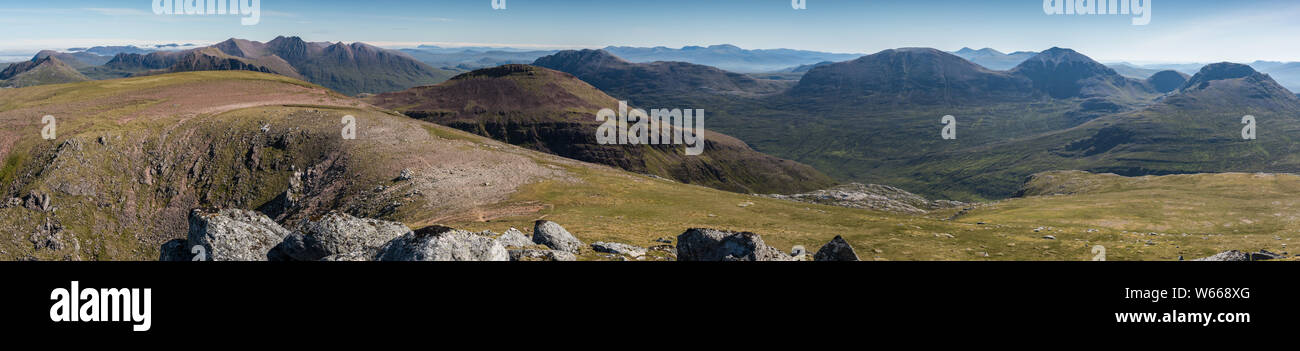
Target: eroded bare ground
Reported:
[(133, 156)]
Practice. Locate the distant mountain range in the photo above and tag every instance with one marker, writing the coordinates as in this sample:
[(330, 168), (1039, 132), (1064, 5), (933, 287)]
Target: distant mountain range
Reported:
[(875, 119), (1132, 71), (662, 80), (993, 59), (347, 68), (472, 58), (869, 119), (1285, 73), (351, 69), (729, 57), (554, 112), (1196, 129)]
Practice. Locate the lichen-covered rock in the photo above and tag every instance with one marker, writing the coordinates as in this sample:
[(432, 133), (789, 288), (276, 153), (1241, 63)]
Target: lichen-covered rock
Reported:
[(439, 243), (836, 250), (233, 235), (618, 248), (541, 255), (1238, 256), (555, 237), (698, 244), (514, 238), (338, 235)]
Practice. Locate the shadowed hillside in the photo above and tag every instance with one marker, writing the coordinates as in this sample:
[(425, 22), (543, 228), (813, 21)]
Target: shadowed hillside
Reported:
[(555, 112)]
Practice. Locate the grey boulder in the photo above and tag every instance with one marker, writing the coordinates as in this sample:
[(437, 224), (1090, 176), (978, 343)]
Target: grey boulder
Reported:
[(541, 255), (439, 243), (339, 236), (618, 248), (555, 237), (232, 235), (698, 244), (1238, 256), (514, 238)]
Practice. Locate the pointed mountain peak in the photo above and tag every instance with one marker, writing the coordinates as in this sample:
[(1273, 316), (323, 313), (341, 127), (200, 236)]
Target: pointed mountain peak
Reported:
[(984, 51), (289, 39), (45, 70), (1065, 73), (45, 54), (51, 59)]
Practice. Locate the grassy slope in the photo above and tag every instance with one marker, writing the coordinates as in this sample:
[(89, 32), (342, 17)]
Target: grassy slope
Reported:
[(120, 216), (898, 145)]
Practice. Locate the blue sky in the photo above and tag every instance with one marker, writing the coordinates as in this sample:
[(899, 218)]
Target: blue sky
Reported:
[(1180, 30)]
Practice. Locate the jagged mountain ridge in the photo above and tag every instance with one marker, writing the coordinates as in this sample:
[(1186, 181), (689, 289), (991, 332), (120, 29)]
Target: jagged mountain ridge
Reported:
[(633, 81), (347, 68), (994, 59), (728, 57)]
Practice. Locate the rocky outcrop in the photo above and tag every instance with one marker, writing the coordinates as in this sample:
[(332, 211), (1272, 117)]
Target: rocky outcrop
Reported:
[(555, 237), (514, 238), (836, 250), (699, 244), (233, 235), (871, 196), (439, 243), (618, 249), (339, 235), (541, 255), (37, 201), (51, 236), (1238, 256)]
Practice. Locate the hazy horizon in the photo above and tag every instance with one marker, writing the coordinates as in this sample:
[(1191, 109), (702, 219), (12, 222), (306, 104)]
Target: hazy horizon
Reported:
[(1182, 32)]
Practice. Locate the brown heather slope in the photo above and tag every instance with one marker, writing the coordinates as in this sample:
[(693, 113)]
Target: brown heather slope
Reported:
[(133, 156), (554, 112)]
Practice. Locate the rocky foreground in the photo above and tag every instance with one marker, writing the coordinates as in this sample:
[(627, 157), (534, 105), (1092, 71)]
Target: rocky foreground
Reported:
[(242, 235)]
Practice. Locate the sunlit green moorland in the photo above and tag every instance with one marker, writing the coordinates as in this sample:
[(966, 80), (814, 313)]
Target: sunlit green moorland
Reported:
[(133, 156)]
